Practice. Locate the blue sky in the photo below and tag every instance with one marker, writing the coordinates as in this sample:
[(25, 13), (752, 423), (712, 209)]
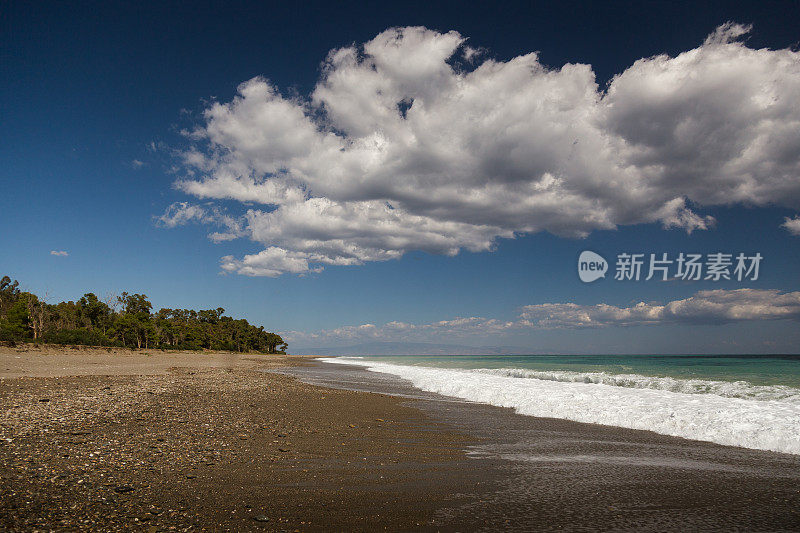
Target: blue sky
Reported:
[(99, 102)]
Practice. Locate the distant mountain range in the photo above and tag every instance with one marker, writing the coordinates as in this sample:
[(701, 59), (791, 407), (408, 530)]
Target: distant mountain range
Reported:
[(414, 348)]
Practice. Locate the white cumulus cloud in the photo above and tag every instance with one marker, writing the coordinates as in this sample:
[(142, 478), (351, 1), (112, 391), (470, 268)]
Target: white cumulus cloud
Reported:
[(59, 253), (411, 142), (705, 307)]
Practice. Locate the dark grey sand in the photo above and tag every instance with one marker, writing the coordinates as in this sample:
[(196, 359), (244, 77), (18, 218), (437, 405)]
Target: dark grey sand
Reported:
[(222, 443)]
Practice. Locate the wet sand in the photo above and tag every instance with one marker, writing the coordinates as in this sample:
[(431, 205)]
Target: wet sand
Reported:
[(557, 475), (184, 441)]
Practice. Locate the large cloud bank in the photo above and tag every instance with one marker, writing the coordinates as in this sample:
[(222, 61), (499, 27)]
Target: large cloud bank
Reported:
[(711, 307), (412, 141)]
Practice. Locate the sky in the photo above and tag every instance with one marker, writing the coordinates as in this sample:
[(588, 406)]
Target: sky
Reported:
[(413, 172)]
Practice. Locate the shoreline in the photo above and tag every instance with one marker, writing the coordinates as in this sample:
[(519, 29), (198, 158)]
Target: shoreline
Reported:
[(558, 474), (188, 441)]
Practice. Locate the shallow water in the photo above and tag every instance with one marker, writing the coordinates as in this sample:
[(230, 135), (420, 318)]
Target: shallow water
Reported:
[(780, 370)]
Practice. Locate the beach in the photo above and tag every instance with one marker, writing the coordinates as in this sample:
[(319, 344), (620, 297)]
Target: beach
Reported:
[(123, 440), (208, 441)]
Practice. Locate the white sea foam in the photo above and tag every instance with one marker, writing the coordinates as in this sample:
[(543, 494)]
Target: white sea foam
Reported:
[(736, 413), (728, 389)]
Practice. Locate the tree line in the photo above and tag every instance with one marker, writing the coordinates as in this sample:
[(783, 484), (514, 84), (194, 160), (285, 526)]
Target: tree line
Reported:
[(125, 320)]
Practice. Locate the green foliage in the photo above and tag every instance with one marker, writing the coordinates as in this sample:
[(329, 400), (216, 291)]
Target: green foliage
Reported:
[(9, 294), (85, 336), (92, 322)]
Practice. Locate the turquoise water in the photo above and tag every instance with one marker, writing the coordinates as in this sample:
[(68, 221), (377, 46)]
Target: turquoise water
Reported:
[(755, 369)]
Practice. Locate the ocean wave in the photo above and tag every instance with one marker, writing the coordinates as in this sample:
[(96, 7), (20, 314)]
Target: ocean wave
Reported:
[(760, 423), (727, 389)]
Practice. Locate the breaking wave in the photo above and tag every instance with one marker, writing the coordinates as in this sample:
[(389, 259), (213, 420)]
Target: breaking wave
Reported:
[(728, 389), (731, 413)]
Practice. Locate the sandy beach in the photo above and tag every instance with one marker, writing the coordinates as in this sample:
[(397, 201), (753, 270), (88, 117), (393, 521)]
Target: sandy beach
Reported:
[(95, 440), (184, 441)]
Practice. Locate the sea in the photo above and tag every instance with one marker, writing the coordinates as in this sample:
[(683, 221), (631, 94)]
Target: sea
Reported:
[(749, 401)]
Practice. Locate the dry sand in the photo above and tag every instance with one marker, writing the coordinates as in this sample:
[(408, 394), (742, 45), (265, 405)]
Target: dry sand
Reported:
[(58, 361), (91, 440)]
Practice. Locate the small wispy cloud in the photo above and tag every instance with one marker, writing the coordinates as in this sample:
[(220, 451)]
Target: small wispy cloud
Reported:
[(60, 253), (792, 225), (137, 164), (182, 213)]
